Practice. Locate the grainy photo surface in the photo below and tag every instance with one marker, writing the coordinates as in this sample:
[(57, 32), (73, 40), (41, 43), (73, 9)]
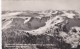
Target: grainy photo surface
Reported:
[(40, 24)]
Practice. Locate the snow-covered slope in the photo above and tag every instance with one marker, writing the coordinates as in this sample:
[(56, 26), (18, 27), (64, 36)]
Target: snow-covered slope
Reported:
[(44, 22), (55, 17)]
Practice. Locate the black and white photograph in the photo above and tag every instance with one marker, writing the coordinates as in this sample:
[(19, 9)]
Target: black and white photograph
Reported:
[(40, 24)]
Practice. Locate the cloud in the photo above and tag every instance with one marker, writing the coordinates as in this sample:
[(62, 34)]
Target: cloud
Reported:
[(40, 5)]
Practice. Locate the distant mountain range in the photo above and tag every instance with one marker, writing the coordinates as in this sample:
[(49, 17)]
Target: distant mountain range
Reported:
[(40, 27)]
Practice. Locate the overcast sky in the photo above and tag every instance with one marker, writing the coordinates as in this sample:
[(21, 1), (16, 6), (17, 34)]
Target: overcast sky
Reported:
[(40, 4)]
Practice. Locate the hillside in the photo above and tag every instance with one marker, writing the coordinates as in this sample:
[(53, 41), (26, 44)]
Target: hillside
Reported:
[(58, 27)]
